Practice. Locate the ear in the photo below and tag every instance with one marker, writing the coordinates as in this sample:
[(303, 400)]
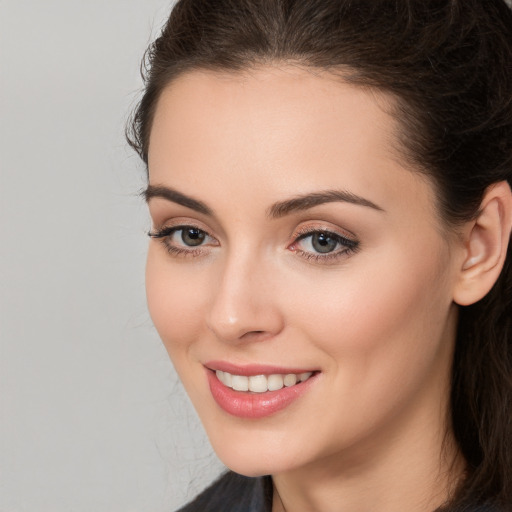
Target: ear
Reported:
[(485, 245)]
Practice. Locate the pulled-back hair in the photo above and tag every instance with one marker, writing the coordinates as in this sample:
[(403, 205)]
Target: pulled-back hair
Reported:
[(448, 64)]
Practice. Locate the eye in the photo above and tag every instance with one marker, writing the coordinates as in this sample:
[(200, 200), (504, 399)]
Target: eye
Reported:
[(323, 245), (322, 242), (191, 236), (183, 239)]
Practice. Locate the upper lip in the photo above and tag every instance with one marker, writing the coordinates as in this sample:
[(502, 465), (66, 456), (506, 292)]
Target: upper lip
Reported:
[(254, 369)]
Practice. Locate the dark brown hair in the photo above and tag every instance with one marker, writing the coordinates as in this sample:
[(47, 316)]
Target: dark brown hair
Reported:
[(448, 63)]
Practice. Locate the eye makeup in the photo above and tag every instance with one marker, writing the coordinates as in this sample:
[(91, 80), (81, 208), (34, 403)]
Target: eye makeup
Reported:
[(322, 245), (310, 243), (184, 240)]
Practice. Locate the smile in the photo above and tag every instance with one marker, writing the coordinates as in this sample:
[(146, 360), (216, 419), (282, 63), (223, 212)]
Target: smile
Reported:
[(261, 383), (257, 391)]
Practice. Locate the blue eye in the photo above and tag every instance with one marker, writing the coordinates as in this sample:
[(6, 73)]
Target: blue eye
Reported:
[(323, 245), (318, 245), (323, 242)]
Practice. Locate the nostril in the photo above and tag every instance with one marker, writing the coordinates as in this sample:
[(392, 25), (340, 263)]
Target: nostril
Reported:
[(256, 335)]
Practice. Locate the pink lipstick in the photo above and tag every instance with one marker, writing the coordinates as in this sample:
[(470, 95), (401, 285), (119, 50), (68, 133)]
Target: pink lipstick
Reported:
[(256, 391)]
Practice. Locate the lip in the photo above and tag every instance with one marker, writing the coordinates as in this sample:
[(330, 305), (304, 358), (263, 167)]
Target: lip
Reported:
[(245, 404), (250, 370)]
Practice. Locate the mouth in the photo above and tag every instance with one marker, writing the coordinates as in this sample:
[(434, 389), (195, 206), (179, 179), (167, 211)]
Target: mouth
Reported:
[(261, 383), (257, 391)]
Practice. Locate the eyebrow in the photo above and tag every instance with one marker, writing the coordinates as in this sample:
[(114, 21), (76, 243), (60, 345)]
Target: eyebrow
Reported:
[(277, 210), (307, 201), (176, 197)]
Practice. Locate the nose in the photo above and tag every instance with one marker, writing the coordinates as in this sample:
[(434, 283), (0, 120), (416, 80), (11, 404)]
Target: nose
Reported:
[(243, 305)]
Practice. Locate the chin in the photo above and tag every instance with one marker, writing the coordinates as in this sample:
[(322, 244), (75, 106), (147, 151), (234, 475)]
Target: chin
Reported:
[(253, 465), (253, 452)]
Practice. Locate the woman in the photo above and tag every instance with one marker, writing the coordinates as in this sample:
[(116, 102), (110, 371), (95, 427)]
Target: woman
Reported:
[(329, 188)]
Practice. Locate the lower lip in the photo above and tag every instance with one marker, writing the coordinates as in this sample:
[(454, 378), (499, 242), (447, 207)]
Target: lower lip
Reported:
[(245, 404)]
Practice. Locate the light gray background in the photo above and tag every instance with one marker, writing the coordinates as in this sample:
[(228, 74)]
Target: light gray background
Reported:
[(92, 418)]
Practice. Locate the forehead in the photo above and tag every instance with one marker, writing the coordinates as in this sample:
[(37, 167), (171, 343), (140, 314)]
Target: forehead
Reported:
[(276, 130), (273, 103)]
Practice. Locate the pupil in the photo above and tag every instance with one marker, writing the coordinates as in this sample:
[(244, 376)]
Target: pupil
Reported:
[(192, 236), (323, 243)]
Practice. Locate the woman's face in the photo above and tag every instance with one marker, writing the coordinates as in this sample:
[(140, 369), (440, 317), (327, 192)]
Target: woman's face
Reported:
[(291, 242)]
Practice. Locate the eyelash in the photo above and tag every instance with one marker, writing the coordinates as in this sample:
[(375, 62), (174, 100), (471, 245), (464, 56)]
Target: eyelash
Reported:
[(350, 246), (164, 235)]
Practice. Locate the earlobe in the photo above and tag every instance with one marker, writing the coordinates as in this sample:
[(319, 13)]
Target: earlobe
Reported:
[(485, 245)]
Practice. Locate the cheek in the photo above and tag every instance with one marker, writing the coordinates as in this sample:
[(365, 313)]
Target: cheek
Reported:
[(174, 297), (381, 337), (173, 302), (378, 322)]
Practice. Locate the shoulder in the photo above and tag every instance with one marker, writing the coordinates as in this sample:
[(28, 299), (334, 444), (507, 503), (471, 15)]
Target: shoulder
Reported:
[(234, 493)]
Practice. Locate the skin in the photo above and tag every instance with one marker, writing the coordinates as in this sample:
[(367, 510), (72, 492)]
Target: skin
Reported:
[(378, 323)]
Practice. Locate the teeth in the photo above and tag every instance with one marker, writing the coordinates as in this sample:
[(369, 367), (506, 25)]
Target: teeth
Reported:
[(240, 383), (227, 379), (261, 383), (290, 380), (258, 383), (303, 376), (275, 382)]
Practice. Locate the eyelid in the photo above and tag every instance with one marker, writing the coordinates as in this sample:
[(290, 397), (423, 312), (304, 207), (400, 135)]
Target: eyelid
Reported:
[(346, 242), (349, 244), (323, 227), (163, 235), (181, 221), (166, 231), (170, 230)]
